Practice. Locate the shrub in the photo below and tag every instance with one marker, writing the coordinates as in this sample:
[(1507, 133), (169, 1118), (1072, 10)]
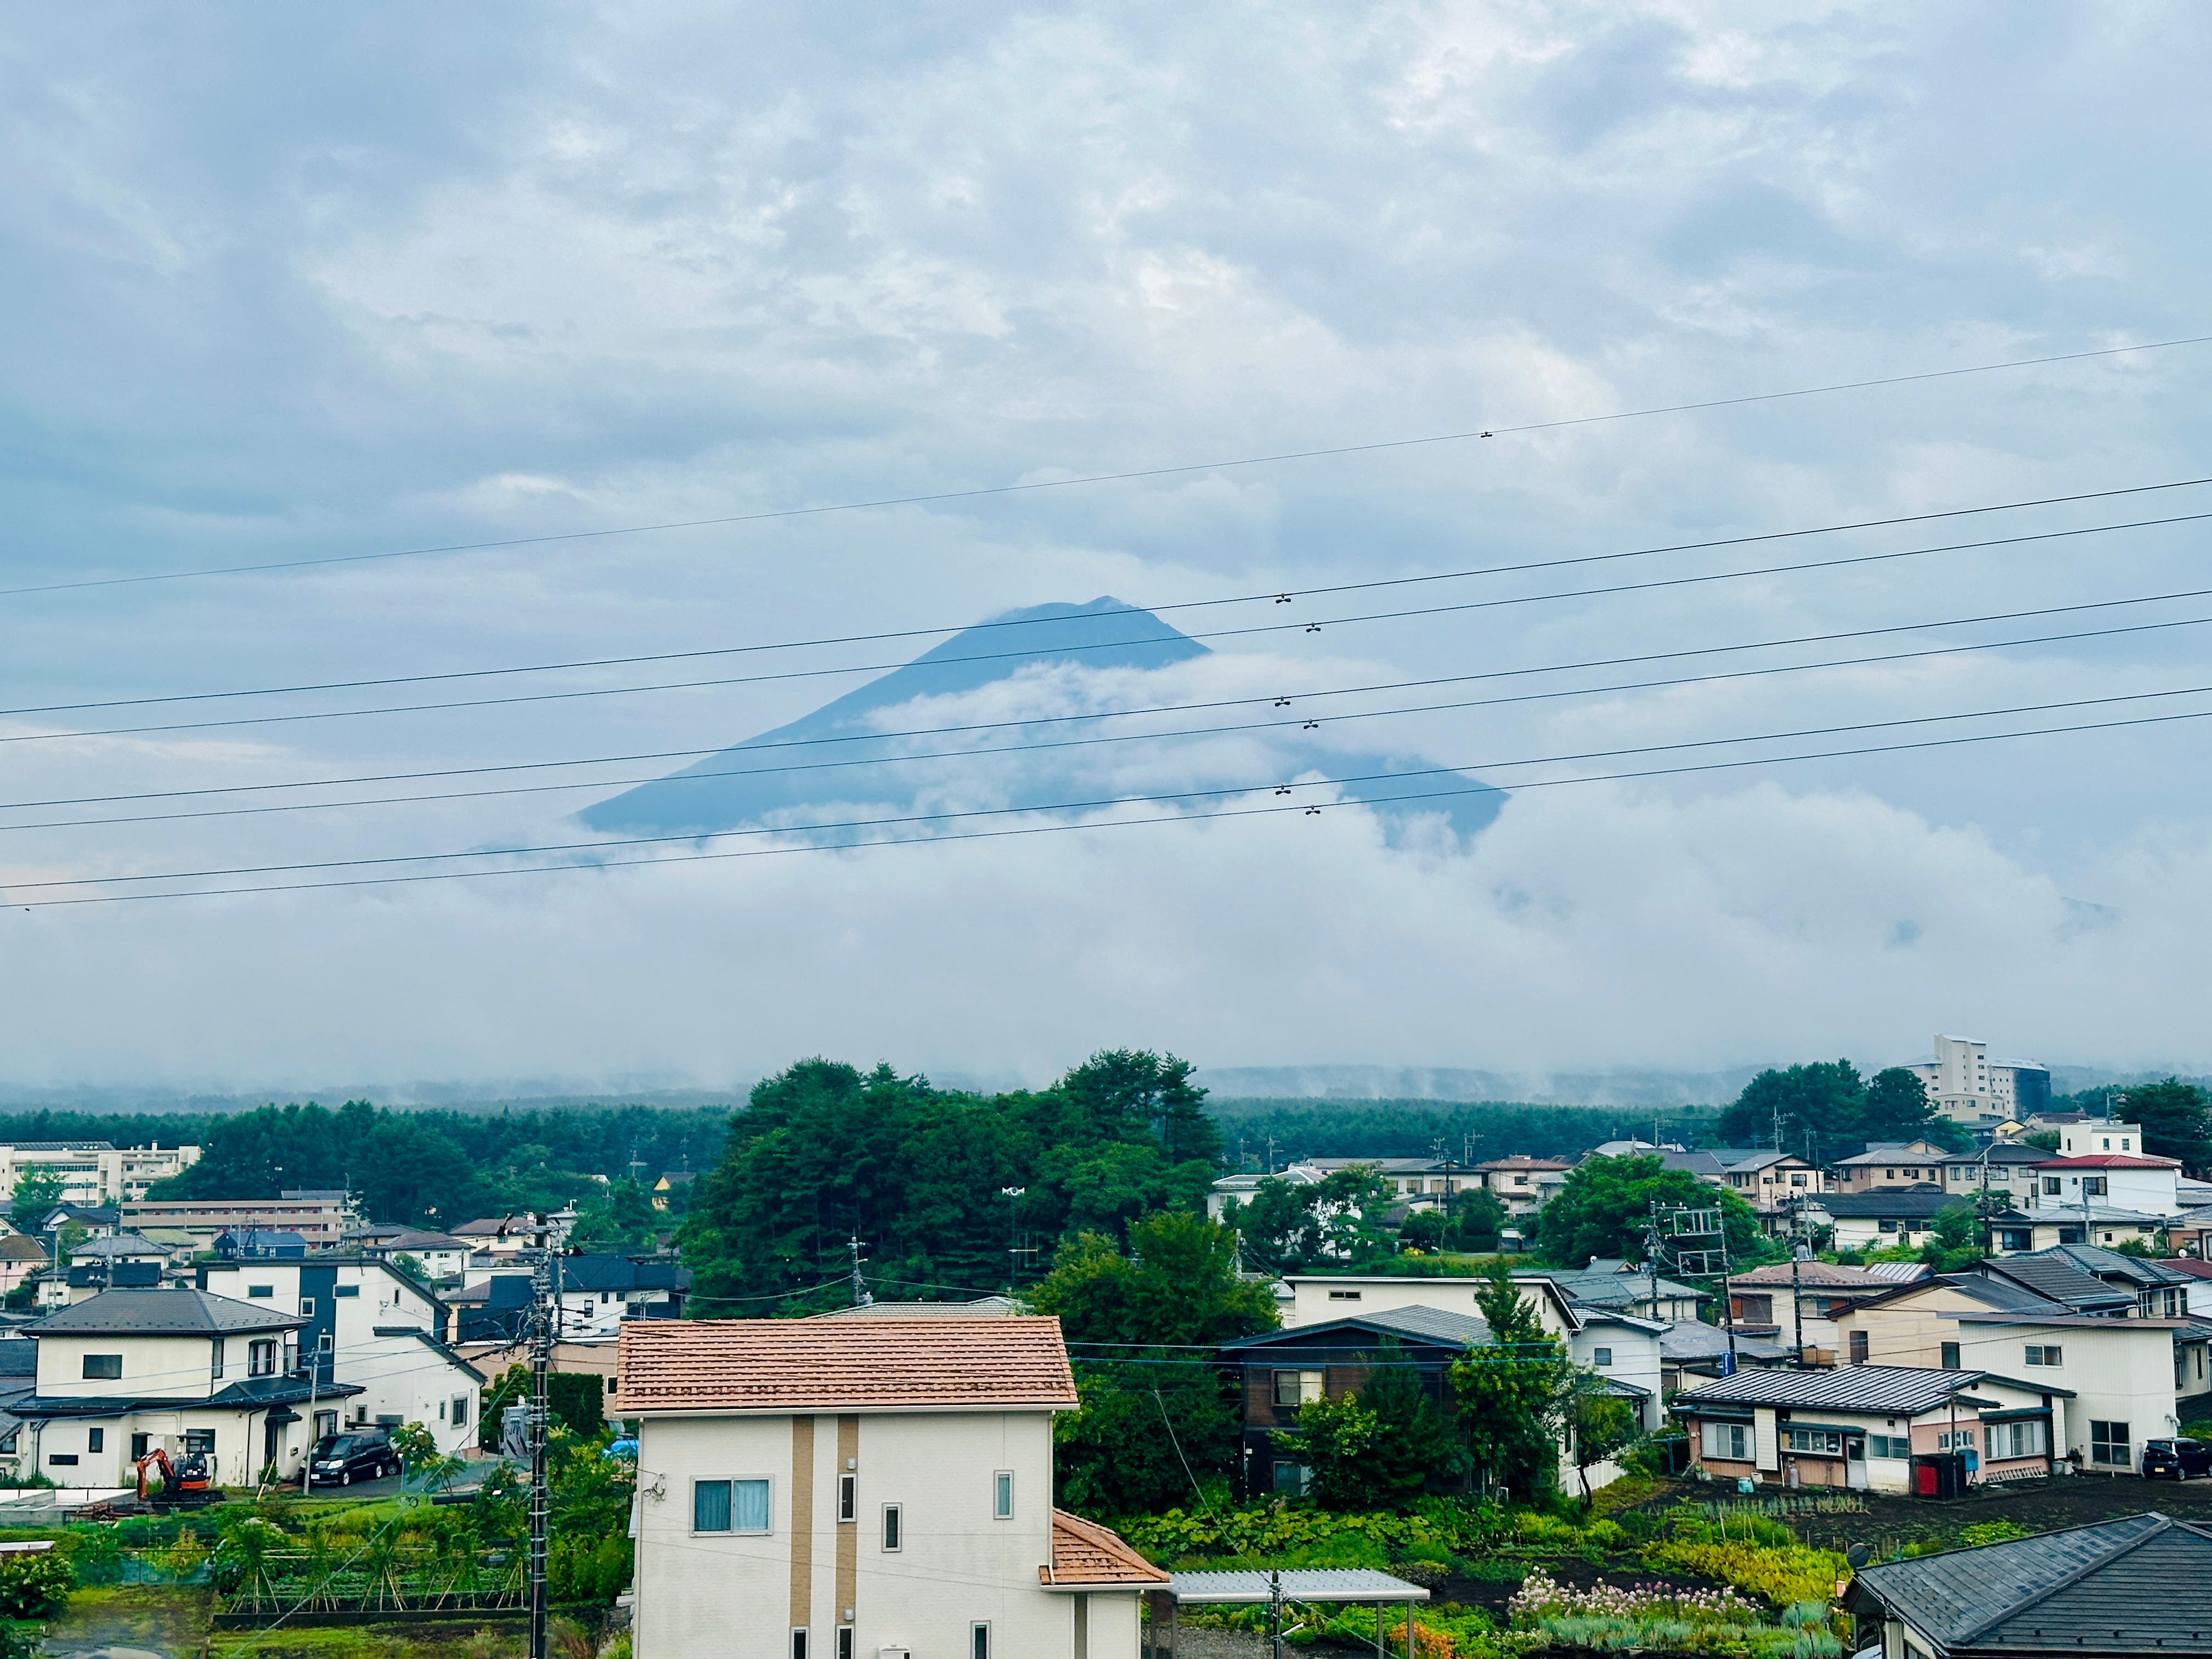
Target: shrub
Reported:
[(1992, 1532), (35, 1584), (1781, 1574)]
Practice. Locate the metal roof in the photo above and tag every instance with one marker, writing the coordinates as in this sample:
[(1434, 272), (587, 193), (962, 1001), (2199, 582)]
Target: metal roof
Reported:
[(1420, 1323), (1917, 1203), (1248, 1588), (1894, 1390), (2105, 1589), (2058, 1279), (161, 1313), (2097, 1261)]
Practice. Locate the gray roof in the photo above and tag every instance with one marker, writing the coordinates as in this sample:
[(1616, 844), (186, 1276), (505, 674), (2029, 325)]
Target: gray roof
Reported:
[(1692, 1339), (1300, 1584), (2096, 1260), (161, 1313), (120, 1244), (2057, 1278), (2003, 1152), (1419, 1324), (1913, 1203), (1600, 1288), (1902, 1390), (2104, 1589)]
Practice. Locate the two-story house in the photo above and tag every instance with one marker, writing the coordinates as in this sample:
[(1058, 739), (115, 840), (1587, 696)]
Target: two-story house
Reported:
[(130, 1370), (375, 1335), (2006, 1167), (1892, 1163), (835, 1488), (1523, 1184)]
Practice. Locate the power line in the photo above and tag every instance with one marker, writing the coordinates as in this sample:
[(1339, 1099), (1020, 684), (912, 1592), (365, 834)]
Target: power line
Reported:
[(1308, 627), (762, 745), (1277, 596), (1034, 829), (1290, 723), (1180, 468)]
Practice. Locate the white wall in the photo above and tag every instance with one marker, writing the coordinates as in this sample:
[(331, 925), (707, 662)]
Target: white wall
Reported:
[(957, 1565), (1317, 1298), (2120, 1370)]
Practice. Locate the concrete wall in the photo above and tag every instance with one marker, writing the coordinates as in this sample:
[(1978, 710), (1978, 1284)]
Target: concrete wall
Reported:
[(957, 1565)]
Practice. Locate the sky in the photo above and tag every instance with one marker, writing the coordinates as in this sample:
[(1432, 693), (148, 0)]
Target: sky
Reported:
[(307, 286)]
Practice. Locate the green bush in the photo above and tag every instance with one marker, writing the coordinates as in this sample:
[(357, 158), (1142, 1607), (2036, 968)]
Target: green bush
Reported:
[(35, 1584), (1992, 1532)]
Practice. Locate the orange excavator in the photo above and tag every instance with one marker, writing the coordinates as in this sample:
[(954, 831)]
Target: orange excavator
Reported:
[(189, 1483)]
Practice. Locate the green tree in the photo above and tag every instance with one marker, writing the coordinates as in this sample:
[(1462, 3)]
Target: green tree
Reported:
[(621, 1217), (1897, 1107), (1383, 1447), (1424, 1230), (1957, 1238), (1275, 1227), (1826, 1106), (1127, 1090), (1176, 1287), (1600, 1423), (1477, 1218), (37, 1192), (1348, 1209), (1510, 1392), (2176, 1119), (1604, 1207), (1150, 1434)]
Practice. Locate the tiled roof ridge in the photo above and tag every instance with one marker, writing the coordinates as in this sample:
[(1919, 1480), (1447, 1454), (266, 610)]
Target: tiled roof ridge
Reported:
[(1111, 1560), (2037, 1594)]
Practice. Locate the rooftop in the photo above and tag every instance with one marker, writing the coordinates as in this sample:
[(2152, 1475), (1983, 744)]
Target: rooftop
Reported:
[(1821, 1276), (1418, 1324), (2109, 1161), (784, 1365), (2107, 1588), (1916, 1203), (1905, 1390), (168, 1312), (1085, 1553), (983, 1307)]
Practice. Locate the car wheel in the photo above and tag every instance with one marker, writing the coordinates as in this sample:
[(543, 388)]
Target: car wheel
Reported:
[(345, 1477)]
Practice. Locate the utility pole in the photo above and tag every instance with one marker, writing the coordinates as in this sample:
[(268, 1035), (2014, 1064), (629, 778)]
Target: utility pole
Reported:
[(541, 1364), (1275, 1613), (1012, 1195), (861, 1298)]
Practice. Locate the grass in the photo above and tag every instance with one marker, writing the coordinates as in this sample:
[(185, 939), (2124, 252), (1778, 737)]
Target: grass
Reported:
[(374, 1642)]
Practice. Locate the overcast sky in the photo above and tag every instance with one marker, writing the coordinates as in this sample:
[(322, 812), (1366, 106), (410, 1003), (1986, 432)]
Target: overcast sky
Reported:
[(291, 284)]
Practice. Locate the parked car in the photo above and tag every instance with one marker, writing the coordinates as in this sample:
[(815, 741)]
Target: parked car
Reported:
[(2179, 1458), (339, 1460)]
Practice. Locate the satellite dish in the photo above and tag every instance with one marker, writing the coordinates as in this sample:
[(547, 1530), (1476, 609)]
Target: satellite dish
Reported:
[(1858, 1555)]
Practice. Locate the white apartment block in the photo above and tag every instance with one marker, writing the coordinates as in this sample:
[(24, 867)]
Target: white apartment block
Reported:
[(1966, 1086), (94, 1173)]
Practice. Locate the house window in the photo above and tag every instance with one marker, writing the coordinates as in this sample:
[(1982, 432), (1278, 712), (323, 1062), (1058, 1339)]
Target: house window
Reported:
[(261, 1358), (848, 1497), (460, 1415), (2051, 1188), (1889, 1445), (1858, 1347), (894, 1530), (1344, 1296), (2093, 1186), (1730, 1442), (845, 1641), (60, 1458), (347, 1290), (323, 1342), (729, 1506), (103, 1367), (798, 1644), (1296, 1388), (95, 1440), (1950, 1353), (979, 1646), (1821, 1442), (201, 1440), (1955, 1440), (261, 1290), (1601, 1357), (1290, 1479), (1002, 1495), (306, 1307), (2023, 1439), (2108, 1442), (2046, 1353)]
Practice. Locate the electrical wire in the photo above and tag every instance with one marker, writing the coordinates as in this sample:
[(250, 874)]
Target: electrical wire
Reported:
[(1114, 824), (1303, 627), (1275, 596), (1292, 723), (1279, 785), (1040, 485), (764, 745)]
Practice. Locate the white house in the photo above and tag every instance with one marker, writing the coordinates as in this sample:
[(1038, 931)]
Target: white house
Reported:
[(128, 1371), (2124, 1181), (1318, 1297), (376, 1334), (835, 1488)]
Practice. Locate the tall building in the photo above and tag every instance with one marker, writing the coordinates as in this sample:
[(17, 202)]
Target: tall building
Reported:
[(1966, 1086), (93, 1173)]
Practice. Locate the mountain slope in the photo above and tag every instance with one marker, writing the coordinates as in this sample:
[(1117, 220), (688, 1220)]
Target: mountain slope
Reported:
[(1104, 634)]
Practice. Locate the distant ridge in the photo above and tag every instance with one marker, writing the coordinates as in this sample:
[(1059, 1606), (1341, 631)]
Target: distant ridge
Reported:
[(1105, 633), (1626, 1087)]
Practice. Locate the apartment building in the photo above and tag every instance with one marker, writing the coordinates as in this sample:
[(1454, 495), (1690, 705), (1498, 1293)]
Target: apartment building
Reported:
[(321, 1219), (1966, 1086), (94, 1173)]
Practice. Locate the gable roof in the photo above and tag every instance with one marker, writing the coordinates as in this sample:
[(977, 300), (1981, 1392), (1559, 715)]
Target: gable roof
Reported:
[(167, 1312), (430, 1341), (2058, 1279), (2109, 1161), (2107, 1588), (1913, 1203), (2001, 1152), (1898, 1151), (1432, 1326), (20, 1247), (2104, 1264), (1085, 1553), (1609, 1287), (1820, 1276), (1904, 1390), (784, 1365)]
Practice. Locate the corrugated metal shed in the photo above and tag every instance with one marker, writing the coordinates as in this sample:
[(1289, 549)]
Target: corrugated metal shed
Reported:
[(1246, 1588), (1898, 1390)]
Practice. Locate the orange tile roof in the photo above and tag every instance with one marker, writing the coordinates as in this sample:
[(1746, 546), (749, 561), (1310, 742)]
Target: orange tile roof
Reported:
[(1085, 1553), (769, 1365)]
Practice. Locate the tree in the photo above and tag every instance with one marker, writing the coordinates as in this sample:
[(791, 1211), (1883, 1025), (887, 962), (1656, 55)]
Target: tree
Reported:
[(1825, 1105), (2176, 1119), (1424, 1229), (1147, 1432), (1383, 1447), (1135, 1089), (1599, 1424), (1509, 1391), (37, 1192), (1897, 1107), (1272, 1228), (620, 1217), (1176, 1288), (1957, 1241), (1604, 1208), (1477, 1218)]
